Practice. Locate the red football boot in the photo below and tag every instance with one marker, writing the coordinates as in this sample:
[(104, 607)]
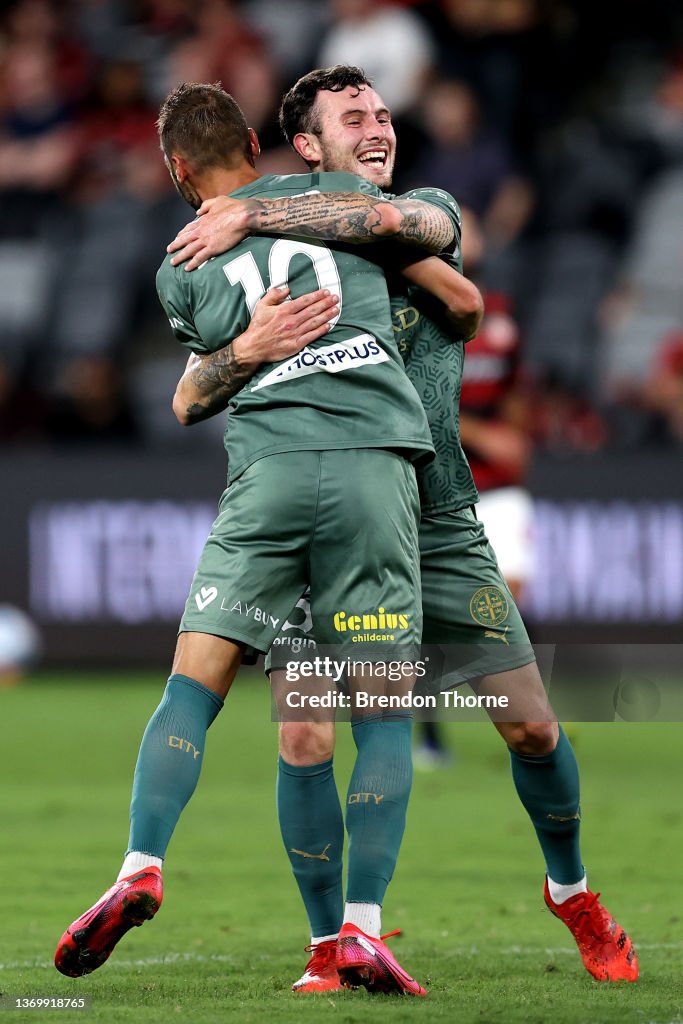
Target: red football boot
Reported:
[(605, 948), (90, 940), (321, 970), (362, 960)]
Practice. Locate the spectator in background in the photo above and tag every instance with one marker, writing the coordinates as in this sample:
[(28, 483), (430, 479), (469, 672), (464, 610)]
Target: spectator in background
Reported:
[(37, 138), (565, 421), (461, 156), (224, 47), (390, 43), (91, 406), (646, 306), (292, 31), (172, 18), (42, 24), (117, 119), (38, 153), (114, 195), (663, 391), (490, 45)]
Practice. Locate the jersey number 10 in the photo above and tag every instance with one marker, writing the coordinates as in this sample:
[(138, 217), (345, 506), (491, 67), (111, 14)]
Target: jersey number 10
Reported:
[(244, 271)]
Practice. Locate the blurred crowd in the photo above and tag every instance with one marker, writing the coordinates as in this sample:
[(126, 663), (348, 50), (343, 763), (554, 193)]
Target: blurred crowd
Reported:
[(557, 124)]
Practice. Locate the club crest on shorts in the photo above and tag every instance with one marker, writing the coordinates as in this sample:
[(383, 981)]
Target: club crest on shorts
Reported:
[(489, 606)]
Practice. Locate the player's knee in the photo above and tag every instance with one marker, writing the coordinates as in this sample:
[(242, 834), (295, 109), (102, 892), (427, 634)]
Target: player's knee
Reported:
[(532, 737), (304, 743)]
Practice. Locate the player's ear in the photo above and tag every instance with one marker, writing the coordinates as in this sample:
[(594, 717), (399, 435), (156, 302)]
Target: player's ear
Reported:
[(178, 167), (307, 146), (254, 145)]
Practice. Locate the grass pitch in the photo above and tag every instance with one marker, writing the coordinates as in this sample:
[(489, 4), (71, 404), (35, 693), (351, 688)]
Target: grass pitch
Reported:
[(227, 943)]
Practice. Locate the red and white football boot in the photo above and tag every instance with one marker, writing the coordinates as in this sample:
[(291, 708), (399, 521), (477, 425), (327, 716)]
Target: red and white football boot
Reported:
[(90, 940)]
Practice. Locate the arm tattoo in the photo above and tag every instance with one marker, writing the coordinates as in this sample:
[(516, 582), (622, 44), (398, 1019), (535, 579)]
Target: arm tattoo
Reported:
[(353, 218), (215, 380), (425, 225)]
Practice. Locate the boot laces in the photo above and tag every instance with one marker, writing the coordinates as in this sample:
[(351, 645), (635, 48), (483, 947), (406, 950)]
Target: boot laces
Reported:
[(590, 921), (323, 955)]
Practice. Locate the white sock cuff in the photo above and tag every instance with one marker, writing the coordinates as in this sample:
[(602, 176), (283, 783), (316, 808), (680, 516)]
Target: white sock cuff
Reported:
[(135, 861), (366, 916), (561, 893), (315, 939)]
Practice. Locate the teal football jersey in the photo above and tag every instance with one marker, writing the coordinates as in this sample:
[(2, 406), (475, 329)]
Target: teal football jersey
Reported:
[(434, 362), (349, 389)]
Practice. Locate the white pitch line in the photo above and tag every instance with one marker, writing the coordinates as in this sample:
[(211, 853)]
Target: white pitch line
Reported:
[(223, 958), (168, 958)]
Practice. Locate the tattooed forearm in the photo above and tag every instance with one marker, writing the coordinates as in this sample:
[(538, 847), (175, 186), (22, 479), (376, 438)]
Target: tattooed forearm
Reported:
[(332, 215), (209, 383), (353, 218)]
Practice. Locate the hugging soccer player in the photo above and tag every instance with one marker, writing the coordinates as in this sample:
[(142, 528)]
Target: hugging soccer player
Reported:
[(336, 121)]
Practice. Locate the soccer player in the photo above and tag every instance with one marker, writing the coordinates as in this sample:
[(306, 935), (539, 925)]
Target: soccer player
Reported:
[(334, 120), (494, 429), (309, 441)]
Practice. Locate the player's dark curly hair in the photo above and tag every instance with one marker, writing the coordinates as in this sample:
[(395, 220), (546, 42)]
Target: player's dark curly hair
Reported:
[(298, 108), (205, 124)]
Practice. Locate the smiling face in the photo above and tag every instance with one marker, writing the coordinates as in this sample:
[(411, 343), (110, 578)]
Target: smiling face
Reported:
[(353, 133)]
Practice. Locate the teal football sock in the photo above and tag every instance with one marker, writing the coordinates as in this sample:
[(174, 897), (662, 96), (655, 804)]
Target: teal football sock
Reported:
[(548, 786), (376, 804), (312, 830), (169, 762)]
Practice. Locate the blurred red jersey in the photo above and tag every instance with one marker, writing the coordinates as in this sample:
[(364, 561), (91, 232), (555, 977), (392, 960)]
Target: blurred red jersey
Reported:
[(491, 373)]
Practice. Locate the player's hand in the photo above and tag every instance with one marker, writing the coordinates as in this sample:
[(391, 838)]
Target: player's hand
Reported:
[(281, 327), (221, 224)]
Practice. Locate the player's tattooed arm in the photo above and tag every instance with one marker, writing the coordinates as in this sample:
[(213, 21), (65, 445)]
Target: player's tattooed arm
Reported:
[(278, 329), (354, 218), (350, 217), (208, 384)]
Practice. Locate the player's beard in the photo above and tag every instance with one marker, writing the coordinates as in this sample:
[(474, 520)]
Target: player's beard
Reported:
[(186, 191), (335, 158)]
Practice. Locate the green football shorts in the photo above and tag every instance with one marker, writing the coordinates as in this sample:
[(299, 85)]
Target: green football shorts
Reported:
[(471, 624), (343, 523), (469, 613)]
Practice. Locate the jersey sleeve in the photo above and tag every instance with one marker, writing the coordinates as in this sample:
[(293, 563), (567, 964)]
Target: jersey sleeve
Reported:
[(175, 305), (453, 260), (202, 319)]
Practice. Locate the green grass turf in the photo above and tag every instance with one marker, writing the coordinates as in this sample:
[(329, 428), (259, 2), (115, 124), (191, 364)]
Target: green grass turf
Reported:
[(228, 941)]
